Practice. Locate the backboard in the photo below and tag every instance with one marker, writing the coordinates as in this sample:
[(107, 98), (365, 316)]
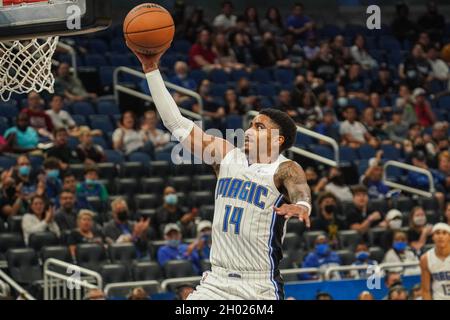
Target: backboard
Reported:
[(26, 19)]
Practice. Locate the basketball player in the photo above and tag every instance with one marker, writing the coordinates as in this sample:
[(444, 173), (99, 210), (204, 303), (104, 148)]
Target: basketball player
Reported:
[(435, 265), (257, 191)]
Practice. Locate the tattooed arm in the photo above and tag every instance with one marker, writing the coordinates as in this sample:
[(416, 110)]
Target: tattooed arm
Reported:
[(290, 179)]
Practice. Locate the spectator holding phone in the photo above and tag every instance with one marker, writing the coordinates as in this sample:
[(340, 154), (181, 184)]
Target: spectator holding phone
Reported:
[(40, 219)]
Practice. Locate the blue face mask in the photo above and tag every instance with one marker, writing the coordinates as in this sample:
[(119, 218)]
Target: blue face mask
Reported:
[(399, 246), (171, 199), (53, 174), (174, 243), (91, 181), (206, 237), (322, 249), (24, 171), (362, 256)]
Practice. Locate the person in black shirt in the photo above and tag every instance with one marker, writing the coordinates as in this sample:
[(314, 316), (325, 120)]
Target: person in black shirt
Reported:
[(383, 85), (87, 151), (416, 70), (11, 200), (329, 218), (419, 233), (171, 212), (66, 215), (61, 150), (85, 232), (324, 66), (359, 216)]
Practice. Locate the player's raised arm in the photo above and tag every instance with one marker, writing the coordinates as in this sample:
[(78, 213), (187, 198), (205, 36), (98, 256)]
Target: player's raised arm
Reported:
[(291, 180), (201, 145)]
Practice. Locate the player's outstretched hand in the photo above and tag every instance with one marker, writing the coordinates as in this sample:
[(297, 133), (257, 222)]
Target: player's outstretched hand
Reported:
[(293, 210), (149, 61)]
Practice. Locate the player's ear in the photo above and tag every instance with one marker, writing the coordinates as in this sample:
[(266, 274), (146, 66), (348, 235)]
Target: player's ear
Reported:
[(281, 140)]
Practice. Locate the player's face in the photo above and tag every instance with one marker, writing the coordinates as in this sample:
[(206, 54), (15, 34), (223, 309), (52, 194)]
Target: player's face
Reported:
[(262, 138), (441, 238)]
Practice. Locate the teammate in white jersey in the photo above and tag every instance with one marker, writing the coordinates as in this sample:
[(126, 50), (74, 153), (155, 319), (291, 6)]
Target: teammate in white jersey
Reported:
[(257, 191), (435, 265)]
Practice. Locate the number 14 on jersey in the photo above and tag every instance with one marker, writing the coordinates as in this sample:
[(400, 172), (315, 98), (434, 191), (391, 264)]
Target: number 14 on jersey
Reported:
[(233, 216)]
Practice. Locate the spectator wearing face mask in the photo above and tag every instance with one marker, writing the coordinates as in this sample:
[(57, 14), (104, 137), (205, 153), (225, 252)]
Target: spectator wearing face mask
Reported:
[(174, 248), (400, 252), (322, 257), (91, 187), (52, 178), (171, 212), (373, 177), (394, 221), (362, 256), (200, 249), (121, 230), (329, 218), (419, 233)]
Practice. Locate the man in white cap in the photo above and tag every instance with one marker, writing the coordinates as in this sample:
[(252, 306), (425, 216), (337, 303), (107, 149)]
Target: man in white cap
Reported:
[(174, 249), (200, 249), (435, 265)]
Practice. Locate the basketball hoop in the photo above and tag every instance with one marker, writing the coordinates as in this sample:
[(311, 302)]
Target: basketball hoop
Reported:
[(25, 66)]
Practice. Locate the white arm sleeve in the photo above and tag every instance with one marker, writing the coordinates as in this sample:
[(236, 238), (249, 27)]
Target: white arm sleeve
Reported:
[(178, 125)]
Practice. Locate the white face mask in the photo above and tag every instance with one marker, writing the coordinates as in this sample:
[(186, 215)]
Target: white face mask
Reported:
[(420, 221), (395, 224)]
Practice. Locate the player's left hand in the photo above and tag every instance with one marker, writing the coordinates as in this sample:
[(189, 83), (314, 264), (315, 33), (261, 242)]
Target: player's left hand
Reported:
[(294, 210)]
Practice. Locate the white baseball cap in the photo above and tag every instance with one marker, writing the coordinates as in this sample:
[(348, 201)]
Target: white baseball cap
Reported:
[(203, 225), (441, 226), (171, 226), (392, 214)]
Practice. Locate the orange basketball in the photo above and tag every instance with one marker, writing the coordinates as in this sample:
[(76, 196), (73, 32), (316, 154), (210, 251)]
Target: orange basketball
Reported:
[(149, 28), (446, 53)]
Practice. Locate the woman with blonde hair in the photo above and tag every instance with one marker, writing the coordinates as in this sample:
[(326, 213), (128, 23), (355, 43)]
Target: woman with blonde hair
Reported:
[(85, 231)]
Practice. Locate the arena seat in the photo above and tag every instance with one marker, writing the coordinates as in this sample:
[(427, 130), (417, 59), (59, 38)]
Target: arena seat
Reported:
[(199, 198), (178, 269), (292, 242), (366, 151), (90, 256), (375, 236), (295, 226), (23, 265), (15, 224), (376, 253), (347, 257), (123, 253), (40, 239), (127, 186), (207, 212), (10, 241), (101, 122), (113, 273), (56, 252), (8, 110), (107, 108), (147, 201), (205, 182), (310, 238), (154, 185), (349, 239), (4, 124), (181, 183), (402, 203)]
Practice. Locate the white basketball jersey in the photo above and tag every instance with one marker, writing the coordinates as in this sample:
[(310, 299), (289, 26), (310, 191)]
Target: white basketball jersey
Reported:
[(247, 234), (440, 275)]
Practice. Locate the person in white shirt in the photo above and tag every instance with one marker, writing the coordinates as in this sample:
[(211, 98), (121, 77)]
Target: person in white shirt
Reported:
[(39, 219), (400, 252), (226, 20), (440, 70), (159, 138), (360, 55), (353, 132), (60, 118)]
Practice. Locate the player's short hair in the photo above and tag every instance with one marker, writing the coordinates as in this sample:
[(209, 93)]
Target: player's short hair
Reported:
[(287, 126)]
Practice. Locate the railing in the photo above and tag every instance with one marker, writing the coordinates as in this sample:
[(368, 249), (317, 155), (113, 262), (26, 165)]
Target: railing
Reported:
[(120, 88), (21, 291), (306, 153), (169, 282), (129, 285), (297, 271), (73, 286), (73, 56), (376, 268), (392, 184)]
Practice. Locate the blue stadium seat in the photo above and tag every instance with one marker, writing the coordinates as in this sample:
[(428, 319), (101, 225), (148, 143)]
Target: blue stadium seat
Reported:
[(444, 103), (332, 87), (106, 75), (163, 156), (36, 161), (141, 157), (390, 44), (218, 90), (168, 60), (323, 151), (366, 151), (7, 162), (390, 152), (79, 119), (101, 122), (284, 75), (266, 90), (234, 122), (302, 140), (198, 75), (83, 108), (107, 108), (362, 166), (114, 156), (261, 75), (95, 60), (347, 154), (73, 142), (100, 141), (181, 46), (329, 31), (119, 46), (219, 76), (358, 103), (8, 110), (238, 74), (98, 45), (118, 59), (4, 125)]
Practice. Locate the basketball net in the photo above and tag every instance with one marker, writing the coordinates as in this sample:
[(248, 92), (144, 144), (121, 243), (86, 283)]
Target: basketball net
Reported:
[(26, 65)]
